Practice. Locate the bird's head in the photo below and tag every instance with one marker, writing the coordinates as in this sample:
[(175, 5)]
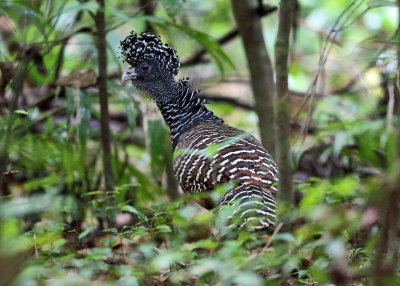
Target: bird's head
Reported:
[(153, 64)]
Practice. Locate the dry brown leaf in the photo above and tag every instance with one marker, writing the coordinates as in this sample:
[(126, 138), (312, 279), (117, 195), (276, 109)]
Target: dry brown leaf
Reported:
[(80, 78)]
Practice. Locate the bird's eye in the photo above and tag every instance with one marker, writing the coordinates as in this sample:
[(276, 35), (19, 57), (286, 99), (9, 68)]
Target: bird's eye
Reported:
[(145, 68)]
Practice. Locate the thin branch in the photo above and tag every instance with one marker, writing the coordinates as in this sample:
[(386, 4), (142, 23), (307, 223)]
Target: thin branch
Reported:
[(198, 57), (329, 42), (10, 173), (60, 58), (233, 101), (390, 109), (16, 86)]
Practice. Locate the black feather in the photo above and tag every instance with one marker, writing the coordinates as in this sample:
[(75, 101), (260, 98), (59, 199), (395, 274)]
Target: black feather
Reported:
[(147, 46)]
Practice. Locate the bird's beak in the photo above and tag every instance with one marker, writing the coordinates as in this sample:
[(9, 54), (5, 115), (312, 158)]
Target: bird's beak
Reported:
[(128, 75)]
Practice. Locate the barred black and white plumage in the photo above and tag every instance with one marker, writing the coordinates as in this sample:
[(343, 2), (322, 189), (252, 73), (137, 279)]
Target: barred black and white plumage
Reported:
[(237, 156)]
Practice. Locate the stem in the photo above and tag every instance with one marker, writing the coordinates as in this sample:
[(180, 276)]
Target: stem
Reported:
[(36, 251), (282, 126), (103, 94), (198, 57)]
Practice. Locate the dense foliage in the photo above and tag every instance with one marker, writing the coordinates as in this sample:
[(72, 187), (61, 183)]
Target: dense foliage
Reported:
[(56, 215)]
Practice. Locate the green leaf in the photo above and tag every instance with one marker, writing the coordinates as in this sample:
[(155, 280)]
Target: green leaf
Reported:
[(32, 204), (110, 241), (58, 227), (313, 196), (21, 112), (208, 43), (222, 220), (130, 111), (59, 242), (163, 228), (112, 229), (346, 187), (90, 6), (207, 265), (86, 232), (92, 193), (204, 243), (342, 139), (140, 228), (83, 117), (166, 259), (159, 206), (172, 7), (131, 209), (288, 237), (158, 146), (128, 280), (247, 278), (147, 188), (98, 253), (44, 182)]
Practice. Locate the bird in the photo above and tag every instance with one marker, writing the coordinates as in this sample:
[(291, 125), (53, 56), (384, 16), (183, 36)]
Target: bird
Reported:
[(207, 153)]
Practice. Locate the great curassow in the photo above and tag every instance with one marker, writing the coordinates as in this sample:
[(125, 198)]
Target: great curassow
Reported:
[(238, 157)]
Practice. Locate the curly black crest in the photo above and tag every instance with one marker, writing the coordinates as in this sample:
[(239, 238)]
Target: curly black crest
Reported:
[(147, 46)]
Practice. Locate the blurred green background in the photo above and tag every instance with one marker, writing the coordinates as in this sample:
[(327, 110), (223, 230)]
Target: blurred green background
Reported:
[(55, 226)]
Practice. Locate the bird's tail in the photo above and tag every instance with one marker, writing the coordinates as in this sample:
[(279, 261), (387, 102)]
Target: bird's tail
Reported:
[(253, 207)]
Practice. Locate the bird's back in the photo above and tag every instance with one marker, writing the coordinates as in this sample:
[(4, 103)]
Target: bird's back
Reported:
[(209, 154)]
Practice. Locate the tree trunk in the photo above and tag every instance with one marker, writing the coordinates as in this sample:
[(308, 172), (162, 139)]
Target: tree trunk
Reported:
[(103, 94), (385, 264), (261, 72), (148, 6), (282, 126)]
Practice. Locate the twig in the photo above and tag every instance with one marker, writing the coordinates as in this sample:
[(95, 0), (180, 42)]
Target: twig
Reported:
[(271, 238), (10, 173), (34, 243), (390, 109), (233, 101), (327, 47), (60, 58), (322, 33), (198, 57), (268, 243), (122, 248)]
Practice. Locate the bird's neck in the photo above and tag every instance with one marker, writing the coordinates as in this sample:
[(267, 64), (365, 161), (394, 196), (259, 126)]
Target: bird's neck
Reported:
[(184, 111)]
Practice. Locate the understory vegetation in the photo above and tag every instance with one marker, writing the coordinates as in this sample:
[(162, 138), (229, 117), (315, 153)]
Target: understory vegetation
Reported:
[(87, 192)]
